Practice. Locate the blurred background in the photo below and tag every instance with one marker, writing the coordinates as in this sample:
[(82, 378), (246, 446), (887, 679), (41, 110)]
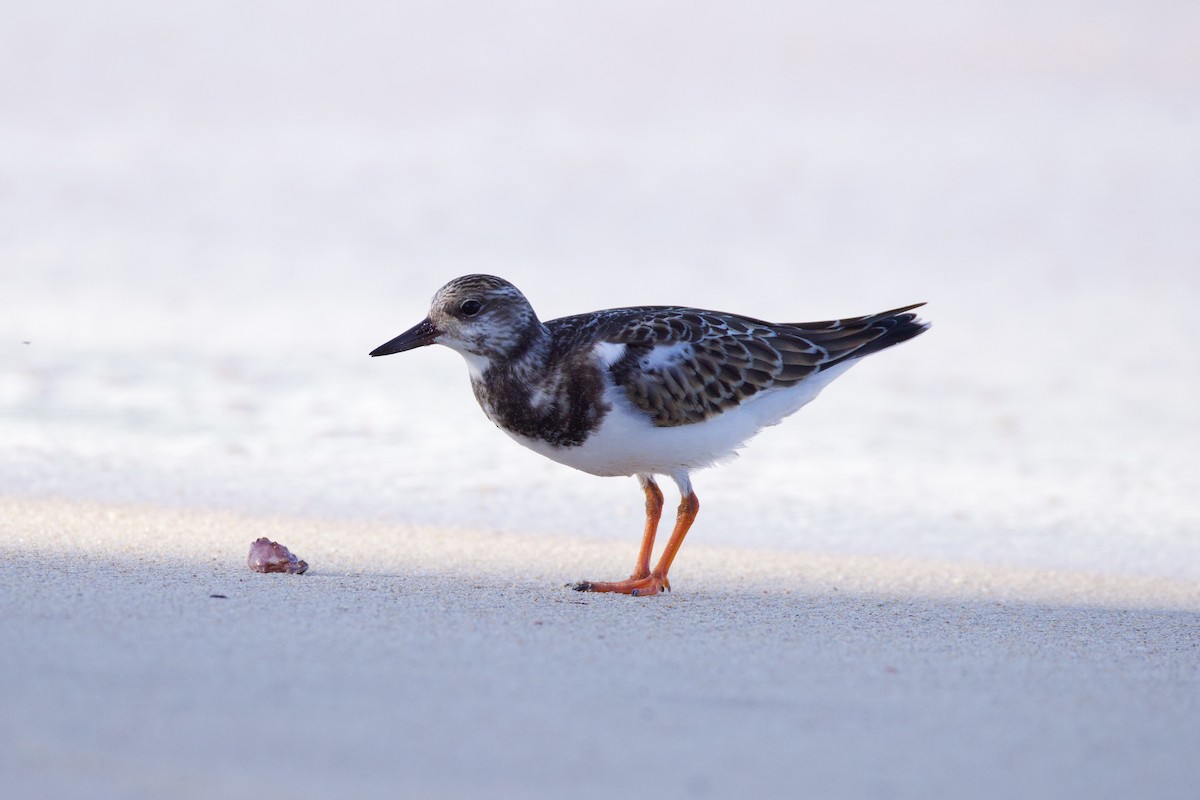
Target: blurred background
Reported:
[(211, 211)]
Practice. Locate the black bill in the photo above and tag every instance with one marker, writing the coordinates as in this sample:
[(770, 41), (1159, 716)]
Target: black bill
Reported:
[(419, 335)]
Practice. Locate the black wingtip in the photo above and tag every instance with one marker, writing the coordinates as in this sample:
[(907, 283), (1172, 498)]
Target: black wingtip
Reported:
[(898, 325)]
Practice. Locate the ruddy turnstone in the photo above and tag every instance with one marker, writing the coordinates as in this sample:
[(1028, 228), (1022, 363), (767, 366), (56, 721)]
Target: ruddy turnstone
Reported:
[(645, 391)]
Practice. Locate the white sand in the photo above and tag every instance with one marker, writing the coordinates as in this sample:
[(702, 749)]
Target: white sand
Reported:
[(430, 663), (969, 569)]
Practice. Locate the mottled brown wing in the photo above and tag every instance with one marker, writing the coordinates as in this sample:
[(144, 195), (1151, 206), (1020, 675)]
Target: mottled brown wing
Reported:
[(683, 366), (692, 366)]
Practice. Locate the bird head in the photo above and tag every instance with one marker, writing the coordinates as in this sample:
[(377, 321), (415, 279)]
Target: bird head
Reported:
[(480, 316)]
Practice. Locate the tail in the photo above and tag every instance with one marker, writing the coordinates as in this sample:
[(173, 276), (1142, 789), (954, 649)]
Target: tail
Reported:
[(849, 339)]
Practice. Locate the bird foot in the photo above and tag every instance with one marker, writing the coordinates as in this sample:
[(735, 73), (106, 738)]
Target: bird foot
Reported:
[(638, 587)]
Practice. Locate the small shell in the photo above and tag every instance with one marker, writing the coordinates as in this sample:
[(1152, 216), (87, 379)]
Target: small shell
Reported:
[(268, 556)]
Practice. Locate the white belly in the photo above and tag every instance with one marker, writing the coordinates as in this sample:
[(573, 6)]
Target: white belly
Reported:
[(628, 443)]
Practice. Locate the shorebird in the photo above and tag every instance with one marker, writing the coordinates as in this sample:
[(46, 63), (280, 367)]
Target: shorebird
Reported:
[(643, 391)]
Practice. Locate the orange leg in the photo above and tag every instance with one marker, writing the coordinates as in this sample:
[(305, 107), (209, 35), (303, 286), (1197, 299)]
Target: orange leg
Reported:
[(644, 580), (654, 507)]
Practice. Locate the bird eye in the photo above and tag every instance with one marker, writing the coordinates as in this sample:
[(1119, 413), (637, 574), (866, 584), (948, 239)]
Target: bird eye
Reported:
[(470, 308)]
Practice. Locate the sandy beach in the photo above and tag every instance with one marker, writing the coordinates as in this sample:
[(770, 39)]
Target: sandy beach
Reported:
[(970, 569), (415, 662)]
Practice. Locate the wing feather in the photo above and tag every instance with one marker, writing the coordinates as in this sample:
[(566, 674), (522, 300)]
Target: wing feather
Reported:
[(682, 366)]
